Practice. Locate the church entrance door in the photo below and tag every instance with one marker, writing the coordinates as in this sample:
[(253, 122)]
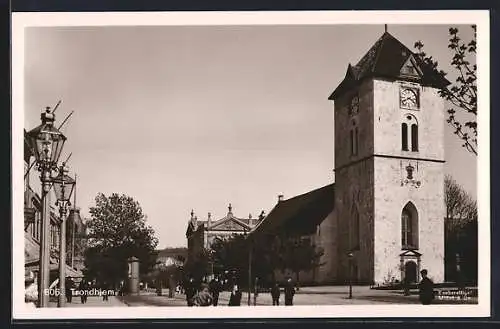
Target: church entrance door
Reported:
[(411, 271)]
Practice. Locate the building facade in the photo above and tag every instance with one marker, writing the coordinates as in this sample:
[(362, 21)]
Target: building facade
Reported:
[(387, 213), (202, 234), (172, 257)]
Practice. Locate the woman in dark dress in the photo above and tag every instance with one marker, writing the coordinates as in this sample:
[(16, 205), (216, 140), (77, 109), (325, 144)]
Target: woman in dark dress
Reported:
[(289, 292), (275, 294), (235, 298)]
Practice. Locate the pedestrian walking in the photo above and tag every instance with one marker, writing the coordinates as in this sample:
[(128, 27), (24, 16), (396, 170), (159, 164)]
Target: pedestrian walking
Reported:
[(190, 291), (426, 289), (275, 293), (83, 288), (171, 286), (289, 292), (69, 286), (203, 297), (215, 288), (235, 298), (406, 286), (104, 291)]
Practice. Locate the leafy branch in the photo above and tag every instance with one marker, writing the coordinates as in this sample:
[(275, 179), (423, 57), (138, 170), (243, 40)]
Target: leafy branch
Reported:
[(463, 93)]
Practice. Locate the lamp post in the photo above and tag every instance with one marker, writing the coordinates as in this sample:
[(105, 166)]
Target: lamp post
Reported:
[(350, 255), (212, 262), (63, 188), (47, 143), (247, 238), (249, 272)]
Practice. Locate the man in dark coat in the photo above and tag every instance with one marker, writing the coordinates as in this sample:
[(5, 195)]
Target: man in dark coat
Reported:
[(406, 286), (289, 292), (235, 298), (275, 294), (69, 284), (83, 288), (190, 291), (104, 291), (215, 288), (426, 289)]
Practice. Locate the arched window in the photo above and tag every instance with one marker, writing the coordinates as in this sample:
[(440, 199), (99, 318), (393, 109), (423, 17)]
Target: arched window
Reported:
[(409, 227), (409, 139), (404, 137), (414, 137)]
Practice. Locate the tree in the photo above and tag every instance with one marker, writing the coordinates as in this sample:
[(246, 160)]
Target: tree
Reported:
[(272, 252), (462, 95), (197, 266), (461, 237), (117, 230), (231, 254), (460, 206), (299, 253)]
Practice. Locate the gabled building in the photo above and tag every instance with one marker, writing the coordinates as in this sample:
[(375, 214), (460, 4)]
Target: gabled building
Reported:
[(201, 234), (306, 215)]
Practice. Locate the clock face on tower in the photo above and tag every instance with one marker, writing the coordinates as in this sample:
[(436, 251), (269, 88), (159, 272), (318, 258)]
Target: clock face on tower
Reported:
[(409, 98)]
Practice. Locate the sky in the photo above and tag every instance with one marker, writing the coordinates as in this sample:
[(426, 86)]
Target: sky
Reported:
[(183, 118)]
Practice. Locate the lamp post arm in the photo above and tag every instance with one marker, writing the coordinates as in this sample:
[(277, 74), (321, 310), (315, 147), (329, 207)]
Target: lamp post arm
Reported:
[(57, 105), (60, 126), (29, 169)]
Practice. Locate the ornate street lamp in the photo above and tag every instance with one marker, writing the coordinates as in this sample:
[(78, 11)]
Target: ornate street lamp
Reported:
[(63, 188), (47, 143)]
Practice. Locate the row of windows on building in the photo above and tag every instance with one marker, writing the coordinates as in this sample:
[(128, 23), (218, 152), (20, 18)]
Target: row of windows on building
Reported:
[(409, 136), (409, 228), (36, 227)]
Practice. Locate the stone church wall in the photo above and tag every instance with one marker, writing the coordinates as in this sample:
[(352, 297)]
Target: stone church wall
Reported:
[(392, 193), (390, 199), (355, 190), (354, 185)]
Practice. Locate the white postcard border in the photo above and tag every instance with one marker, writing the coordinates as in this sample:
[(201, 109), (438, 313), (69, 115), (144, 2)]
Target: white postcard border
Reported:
[(479, 17)]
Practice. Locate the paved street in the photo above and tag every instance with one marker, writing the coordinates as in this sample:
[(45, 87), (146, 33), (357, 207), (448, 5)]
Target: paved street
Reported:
[(332, 295), (329, 295)]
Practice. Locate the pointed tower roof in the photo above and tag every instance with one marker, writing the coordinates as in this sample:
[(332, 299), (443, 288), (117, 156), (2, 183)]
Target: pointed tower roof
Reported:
[(385, 59)]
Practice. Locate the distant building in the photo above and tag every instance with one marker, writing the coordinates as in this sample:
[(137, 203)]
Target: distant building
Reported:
[(172, 256), (201, 234)]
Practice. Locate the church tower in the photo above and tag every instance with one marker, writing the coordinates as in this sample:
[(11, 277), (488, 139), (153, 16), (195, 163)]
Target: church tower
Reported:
[(389, 156)]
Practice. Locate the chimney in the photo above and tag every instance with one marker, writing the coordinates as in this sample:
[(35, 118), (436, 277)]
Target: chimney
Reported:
[(280, 197), (262, 215), (250, 220), (209, 220)]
